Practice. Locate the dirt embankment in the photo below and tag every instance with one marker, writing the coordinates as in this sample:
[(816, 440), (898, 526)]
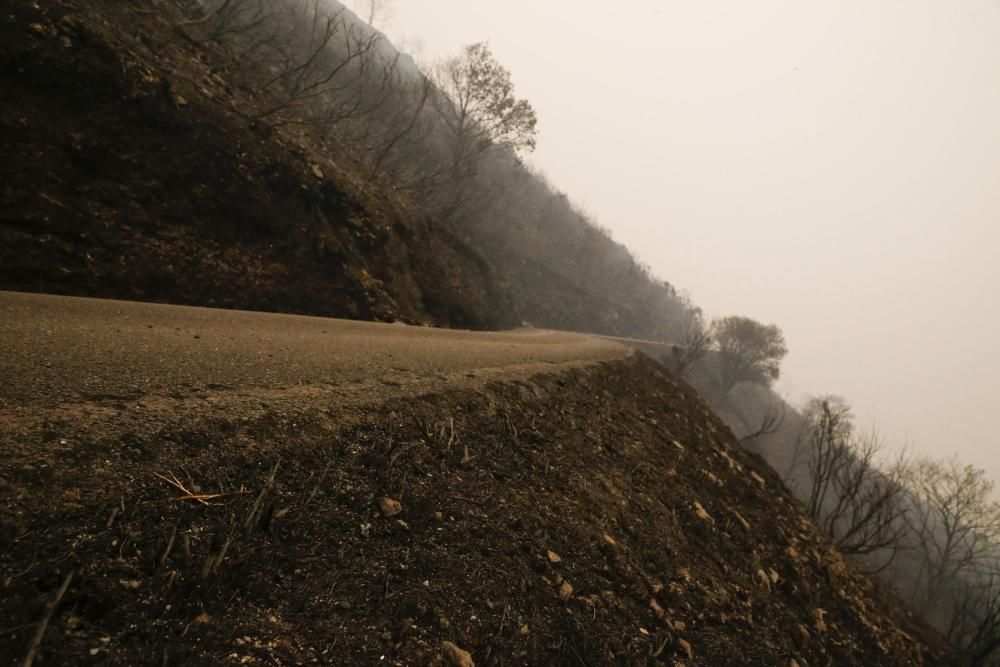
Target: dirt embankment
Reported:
[(598, 515), (130, 171)]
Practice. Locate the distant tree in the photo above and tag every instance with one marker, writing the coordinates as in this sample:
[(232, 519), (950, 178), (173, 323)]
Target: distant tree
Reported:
[(479, 109), (955, 521), (748, 351)]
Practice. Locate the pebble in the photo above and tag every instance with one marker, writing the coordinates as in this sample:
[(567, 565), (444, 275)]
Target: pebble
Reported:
[(389, 506)]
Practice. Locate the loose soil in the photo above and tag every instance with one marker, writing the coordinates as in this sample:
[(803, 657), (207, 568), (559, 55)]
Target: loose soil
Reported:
[(594, 515)]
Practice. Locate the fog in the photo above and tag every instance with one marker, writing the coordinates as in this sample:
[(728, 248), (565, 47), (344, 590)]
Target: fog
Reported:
[(830, 167)]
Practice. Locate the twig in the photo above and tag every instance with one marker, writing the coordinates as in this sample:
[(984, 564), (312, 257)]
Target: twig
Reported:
[(262, 503), (50, 609), (451, 438), (213, 562), (399, 452), (176, 483), (202, 498), (169, 547), (510, 423), (315, 489)]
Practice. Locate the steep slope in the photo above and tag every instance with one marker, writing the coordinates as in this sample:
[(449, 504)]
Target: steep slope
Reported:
[(138, 166), (129, 172), (587, 514)]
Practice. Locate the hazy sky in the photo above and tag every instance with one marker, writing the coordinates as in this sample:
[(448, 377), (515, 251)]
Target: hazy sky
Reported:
[(833, 167)]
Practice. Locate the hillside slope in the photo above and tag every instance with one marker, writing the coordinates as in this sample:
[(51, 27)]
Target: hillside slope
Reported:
[(590, 514), (138, 166), (129, 172)]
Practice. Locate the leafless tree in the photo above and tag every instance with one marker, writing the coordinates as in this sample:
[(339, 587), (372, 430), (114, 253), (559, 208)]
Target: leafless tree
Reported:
[(216, 20), (855, 496), (321, 58), (955, 521), (693, 343), (975, 621), (770, 421)]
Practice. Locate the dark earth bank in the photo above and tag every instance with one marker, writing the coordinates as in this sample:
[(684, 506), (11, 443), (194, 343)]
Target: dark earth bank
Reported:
[(598, 515)]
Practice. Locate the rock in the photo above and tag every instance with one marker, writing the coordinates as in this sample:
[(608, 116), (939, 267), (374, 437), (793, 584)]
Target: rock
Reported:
[(820, 624), (389, 507), (553, 557), (317, 171), (456, 656), (700, 512), (524, 631), (565, 591)]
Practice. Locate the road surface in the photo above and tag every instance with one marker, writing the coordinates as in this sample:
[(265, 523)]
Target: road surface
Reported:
[(55, 350)]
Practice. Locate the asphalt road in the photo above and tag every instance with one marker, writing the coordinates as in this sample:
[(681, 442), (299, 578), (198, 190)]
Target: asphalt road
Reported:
[(61, 349)]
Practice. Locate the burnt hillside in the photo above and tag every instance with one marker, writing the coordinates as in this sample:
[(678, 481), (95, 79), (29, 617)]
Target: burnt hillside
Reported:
[(590, 515), (120, 182), (141, 163)]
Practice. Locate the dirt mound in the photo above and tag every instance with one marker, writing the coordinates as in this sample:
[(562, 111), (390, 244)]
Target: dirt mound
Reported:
[(592, 516), (130, 172)]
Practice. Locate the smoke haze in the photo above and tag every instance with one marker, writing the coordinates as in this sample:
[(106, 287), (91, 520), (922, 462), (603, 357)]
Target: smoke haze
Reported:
[(830, 167)]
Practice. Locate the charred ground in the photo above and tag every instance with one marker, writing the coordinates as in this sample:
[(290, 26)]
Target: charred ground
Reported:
[(592, 516)]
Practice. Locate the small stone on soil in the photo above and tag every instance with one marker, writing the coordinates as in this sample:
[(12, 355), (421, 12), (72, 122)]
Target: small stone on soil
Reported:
[(456, 656), (700, 512), (389, 506), (565, 591)]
